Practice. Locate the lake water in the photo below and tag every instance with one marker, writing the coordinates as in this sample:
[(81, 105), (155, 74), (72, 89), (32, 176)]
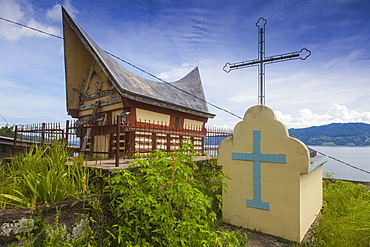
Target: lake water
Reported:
[(356, 156)]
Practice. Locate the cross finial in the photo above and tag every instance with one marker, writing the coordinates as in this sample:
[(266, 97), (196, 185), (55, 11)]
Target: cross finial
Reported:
[(261, 23), (263, 60)]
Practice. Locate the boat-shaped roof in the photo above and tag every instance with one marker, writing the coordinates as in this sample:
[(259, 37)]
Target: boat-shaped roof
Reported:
[(184, 95)]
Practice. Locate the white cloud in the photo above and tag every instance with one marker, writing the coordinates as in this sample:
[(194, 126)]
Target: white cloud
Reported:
[(242, 97), (54, 13), (338, 111), (35, 24), (20, 12), (176, 73), (342, 114), (10, 9), (335, 114), (308, 118), (286, 119)]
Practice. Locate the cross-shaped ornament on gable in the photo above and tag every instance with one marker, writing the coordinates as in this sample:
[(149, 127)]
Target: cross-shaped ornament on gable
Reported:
[(262, 60)]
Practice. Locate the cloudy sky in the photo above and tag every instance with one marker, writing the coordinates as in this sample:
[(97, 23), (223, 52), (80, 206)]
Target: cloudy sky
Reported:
[(169, 38)]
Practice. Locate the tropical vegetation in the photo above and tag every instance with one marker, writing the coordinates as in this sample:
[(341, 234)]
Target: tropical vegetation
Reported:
[(40, 176), (345, 217), (163, 200)]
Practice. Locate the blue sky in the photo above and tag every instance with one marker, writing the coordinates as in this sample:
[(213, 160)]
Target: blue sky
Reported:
[(169, 38)]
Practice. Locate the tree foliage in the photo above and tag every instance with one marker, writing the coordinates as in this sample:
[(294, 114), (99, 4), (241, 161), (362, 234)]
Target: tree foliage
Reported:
[(7, 131)]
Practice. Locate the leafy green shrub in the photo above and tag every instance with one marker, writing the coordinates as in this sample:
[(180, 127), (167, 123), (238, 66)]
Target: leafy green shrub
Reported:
[(345, 216), (161, 201), (40, 175), (211, 177)]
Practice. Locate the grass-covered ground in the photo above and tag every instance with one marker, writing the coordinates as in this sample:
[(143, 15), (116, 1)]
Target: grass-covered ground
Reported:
[(164, 200), (345, 215)]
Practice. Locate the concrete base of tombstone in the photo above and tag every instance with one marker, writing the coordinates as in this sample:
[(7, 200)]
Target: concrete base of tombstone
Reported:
[(274, 186)]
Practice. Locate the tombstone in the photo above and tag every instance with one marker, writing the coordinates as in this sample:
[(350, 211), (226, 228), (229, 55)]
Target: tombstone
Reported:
[(274, 186)]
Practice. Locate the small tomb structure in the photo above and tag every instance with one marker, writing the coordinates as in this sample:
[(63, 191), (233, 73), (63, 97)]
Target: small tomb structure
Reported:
[(274, 186)]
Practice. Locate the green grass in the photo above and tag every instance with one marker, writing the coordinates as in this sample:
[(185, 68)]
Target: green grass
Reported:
[(40, 176), (345, 216)]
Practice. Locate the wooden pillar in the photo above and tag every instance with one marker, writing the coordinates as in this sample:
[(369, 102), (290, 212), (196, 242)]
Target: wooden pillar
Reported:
[(202, 143), (180, 138), (154, 141), (168, 142), (130, 142), (118, 128)]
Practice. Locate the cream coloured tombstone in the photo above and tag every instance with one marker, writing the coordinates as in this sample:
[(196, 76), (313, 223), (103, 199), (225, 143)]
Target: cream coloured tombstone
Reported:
[(274, 186)]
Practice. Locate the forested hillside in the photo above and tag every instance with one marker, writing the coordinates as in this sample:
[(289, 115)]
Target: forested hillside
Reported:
[(334, 134)]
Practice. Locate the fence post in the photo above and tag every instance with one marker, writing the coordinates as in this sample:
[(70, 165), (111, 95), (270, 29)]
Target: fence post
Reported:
[(67, 132), (43, 134), (15, 140), (130, 141), (118, 140)]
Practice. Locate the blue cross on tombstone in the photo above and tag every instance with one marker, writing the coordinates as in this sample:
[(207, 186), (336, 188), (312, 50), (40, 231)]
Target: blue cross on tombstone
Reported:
[(257, 158)]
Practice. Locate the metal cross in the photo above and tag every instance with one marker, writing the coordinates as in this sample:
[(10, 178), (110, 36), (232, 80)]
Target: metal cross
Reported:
[(257, 157), (262, 60)]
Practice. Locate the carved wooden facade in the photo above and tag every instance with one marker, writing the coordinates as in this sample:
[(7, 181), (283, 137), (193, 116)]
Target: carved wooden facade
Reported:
[(101, 92)]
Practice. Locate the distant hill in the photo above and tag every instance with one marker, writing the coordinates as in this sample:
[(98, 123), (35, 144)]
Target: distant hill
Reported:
[(334, 134)]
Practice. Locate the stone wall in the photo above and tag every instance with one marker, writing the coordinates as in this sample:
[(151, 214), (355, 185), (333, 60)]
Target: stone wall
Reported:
[(72, 215)]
